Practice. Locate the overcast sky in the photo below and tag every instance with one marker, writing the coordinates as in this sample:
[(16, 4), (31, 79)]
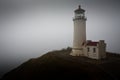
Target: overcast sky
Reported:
[(30, 28)]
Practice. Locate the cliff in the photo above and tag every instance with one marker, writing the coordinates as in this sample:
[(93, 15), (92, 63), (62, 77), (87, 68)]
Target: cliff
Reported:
[(59, 65)]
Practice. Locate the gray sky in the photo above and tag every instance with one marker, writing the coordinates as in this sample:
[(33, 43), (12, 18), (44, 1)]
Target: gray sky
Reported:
[(30, 28)]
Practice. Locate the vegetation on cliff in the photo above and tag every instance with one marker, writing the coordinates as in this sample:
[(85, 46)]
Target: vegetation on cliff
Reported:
[(59, 65)]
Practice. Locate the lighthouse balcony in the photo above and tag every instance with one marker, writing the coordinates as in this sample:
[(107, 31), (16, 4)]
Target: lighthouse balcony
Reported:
[(79, 18)]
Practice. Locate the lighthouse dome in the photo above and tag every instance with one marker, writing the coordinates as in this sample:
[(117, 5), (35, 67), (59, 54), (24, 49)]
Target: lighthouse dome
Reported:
[(79, 10)]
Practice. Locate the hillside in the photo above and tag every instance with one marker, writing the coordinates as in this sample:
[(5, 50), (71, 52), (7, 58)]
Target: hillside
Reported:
[(59, 65)]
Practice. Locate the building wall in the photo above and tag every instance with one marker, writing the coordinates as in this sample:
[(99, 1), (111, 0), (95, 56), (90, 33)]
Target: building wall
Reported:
[(79, 36), (91, 53), (79, 33), (76, 52), (102, 49), (99, 53)]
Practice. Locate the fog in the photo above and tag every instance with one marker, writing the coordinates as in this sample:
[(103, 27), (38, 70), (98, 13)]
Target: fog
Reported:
[(30, 28)]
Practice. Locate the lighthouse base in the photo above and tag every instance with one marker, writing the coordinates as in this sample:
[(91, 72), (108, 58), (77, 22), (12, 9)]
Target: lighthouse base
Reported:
[(77, 52)]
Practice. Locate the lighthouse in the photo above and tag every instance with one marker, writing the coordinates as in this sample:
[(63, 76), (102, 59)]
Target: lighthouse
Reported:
[(79, 38), (81, 46)]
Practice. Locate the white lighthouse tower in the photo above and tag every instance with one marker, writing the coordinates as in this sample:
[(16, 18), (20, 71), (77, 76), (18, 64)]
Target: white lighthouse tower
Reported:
[(81, 47), (79, 32)]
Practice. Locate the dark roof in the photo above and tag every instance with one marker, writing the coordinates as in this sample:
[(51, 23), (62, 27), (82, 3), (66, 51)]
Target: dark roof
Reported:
[(79, 10), (92, 43)]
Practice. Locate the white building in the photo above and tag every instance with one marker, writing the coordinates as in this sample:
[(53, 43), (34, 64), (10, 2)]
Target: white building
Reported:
[(81, 47)]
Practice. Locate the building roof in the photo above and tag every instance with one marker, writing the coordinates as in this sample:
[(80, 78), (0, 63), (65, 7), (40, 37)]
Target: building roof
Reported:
[(79, 10), (92, 43)]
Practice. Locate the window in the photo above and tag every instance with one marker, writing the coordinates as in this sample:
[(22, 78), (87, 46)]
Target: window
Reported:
[(88, 49), (94, 50)]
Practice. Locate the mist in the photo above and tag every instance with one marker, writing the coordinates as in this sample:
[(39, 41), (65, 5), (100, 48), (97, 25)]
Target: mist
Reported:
[(30, 28)]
